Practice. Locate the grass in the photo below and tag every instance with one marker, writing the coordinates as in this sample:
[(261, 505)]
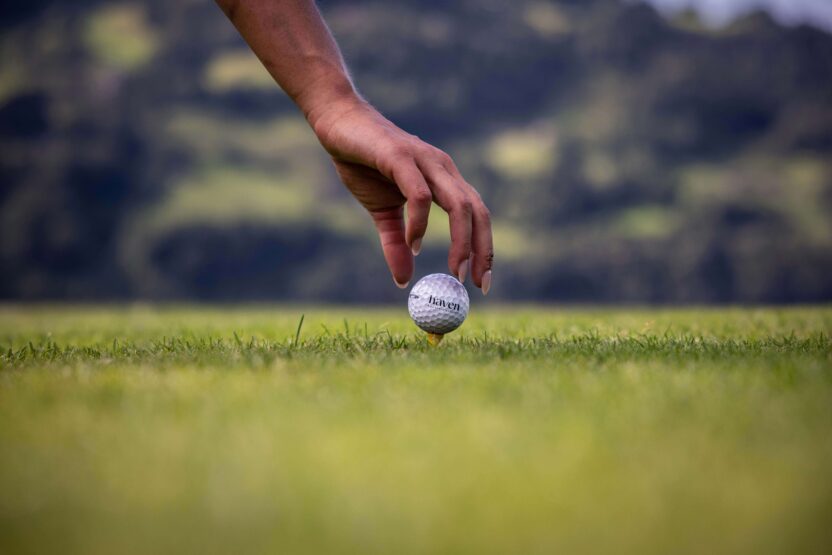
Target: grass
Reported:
[(141, 429)]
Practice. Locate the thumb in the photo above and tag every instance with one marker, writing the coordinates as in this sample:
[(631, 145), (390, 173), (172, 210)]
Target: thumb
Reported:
[(390, 227)]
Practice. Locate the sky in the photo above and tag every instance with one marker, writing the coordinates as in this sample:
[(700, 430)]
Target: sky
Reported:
[(717, 12)]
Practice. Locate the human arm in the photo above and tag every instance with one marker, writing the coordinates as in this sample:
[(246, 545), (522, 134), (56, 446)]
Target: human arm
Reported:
[(384, 167)]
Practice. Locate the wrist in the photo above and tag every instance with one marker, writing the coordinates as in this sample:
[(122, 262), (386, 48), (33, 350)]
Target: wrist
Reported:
[(325, 117), (324, 93)]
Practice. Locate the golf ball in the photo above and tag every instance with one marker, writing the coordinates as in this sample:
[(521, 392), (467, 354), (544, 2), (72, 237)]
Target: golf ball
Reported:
[(438, 303)]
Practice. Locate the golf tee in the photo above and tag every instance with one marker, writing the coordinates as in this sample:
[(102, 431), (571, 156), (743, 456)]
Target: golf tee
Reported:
[(435, 338)]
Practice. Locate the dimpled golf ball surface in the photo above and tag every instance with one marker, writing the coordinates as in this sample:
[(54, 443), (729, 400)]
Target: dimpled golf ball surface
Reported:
[(438, 303)]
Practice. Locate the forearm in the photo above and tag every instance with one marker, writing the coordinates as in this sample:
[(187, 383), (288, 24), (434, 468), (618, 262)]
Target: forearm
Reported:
[(295, 46)]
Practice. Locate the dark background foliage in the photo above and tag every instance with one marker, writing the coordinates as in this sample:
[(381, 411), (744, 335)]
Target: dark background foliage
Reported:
[(627, 157)]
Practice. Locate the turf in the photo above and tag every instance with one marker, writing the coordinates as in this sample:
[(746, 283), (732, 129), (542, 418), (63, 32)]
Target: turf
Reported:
[(194, 430)]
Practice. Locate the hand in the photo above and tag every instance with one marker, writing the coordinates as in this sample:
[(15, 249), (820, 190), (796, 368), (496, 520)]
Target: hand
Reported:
[(386, 169)]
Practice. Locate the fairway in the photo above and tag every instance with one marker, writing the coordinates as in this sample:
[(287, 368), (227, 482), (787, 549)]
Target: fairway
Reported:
[(537, 430)]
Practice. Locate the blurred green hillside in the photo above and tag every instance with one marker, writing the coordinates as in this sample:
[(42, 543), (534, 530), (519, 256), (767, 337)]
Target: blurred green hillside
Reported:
[(145, 153)]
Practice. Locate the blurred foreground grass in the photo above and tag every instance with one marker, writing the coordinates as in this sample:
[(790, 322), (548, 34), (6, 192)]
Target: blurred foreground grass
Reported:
[(139, 430)]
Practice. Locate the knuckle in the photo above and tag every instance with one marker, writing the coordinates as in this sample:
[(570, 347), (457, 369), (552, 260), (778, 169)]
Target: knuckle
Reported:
[(399, 151), (421, 196), (461, 247), (392, 161), (489, 260), (464, 206)]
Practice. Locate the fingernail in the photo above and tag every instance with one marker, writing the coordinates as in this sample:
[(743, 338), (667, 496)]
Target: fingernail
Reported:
[(416, 246), (401, 285), (463, 270), (486, 282)]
